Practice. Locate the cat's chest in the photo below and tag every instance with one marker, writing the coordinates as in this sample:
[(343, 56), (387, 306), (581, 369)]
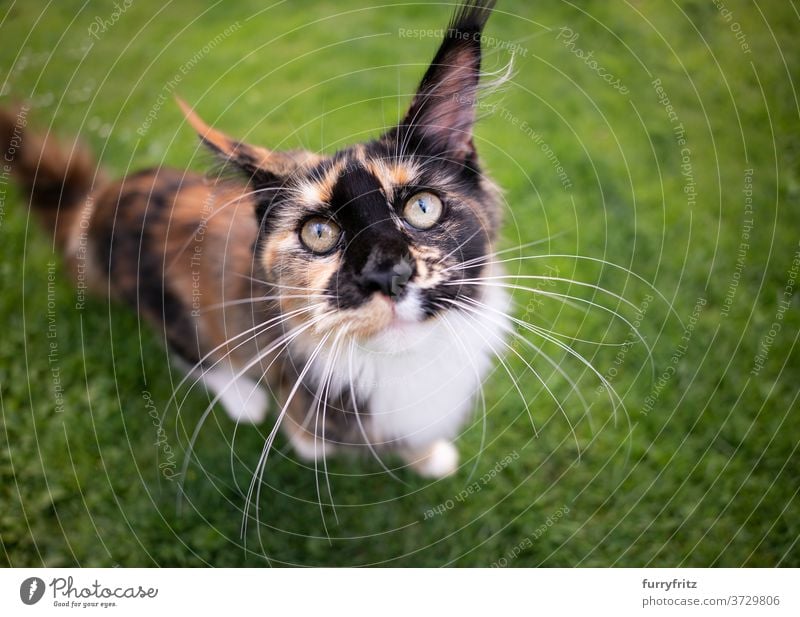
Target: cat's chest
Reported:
[(425, 389)]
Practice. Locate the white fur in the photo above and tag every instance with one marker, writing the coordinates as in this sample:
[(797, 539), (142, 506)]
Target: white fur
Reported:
[(242, 398), (439, 461), (420, 378), (310, 449)]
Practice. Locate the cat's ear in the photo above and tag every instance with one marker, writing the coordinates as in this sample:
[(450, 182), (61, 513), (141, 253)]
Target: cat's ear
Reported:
[(262, 167), (442, 114)]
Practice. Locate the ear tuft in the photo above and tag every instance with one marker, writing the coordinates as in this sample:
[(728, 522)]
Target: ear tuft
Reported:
[(442, 114), (472, 16)]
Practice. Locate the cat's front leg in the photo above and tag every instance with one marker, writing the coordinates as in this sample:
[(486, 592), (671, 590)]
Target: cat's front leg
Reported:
[(243, 399), (298, 425), (437, 460), (307, 447)]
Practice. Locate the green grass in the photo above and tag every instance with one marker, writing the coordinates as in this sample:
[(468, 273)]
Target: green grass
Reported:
[(705, 475)]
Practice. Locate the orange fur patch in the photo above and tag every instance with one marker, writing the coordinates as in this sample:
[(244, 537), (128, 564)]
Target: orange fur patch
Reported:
[(391, 175)]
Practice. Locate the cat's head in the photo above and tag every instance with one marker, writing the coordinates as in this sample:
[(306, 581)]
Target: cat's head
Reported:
[(378, 236)]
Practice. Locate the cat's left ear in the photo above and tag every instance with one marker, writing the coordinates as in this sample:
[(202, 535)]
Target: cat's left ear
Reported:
[(442, 114), (262, 167)]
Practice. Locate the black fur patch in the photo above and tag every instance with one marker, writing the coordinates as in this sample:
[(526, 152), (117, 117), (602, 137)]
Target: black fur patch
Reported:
[(129, 246)]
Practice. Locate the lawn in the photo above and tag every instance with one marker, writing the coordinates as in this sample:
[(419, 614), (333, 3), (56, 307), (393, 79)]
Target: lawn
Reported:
[(649, 152)]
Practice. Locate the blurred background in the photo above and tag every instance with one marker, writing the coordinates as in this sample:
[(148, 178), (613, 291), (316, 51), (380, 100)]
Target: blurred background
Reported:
[(649, 151)]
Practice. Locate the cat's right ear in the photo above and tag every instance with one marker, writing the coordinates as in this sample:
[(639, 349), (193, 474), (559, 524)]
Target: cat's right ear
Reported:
[(261, 167)]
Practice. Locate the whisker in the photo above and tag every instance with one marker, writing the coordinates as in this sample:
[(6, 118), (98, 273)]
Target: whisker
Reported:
[(191, 371), (367, 440), (482, 446), (576, 339), (578, 299), (320, 400), (255, 484), (262, 327), (282, 341), (604, 262), (609, 388), (535, 373), (518, 247), (503, 277), (507, 369), (285, 340), (461, 244), (195, 435), (255, 299), (327, 374), (557, 367)]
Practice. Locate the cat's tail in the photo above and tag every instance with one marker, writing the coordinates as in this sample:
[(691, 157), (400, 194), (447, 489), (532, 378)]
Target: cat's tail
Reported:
[(54, 176)]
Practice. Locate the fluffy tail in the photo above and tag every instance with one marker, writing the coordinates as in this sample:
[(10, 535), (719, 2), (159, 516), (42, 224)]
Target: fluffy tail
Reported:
[(54, 176)]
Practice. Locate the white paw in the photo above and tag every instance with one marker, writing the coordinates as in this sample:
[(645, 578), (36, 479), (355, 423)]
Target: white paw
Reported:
[(241, 397), (440, 461), (310, 449), (248, 406)]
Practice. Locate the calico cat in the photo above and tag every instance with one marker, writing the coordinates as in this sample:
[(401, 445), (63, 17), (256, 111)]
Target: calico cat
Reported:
[(342, 284)]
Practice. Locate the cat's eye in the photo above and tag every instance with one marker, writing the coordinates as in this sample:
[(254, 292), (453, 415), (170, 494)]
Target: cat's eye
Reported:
[(423, 210), (320, 235)]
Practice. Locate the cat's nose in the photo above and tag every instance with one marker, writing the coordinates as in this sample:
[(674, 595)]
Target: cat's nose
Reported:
[(387, 276)]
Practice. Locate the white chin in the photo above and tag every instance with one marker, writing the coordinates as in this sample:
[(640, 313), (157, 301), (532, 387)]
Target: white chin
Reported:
[(407, 331)]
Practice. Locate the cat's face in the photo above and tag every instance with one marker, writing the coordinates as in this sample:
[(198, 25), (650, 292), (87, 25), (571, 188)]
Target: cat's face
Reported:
[(378, 237), (376, 240)]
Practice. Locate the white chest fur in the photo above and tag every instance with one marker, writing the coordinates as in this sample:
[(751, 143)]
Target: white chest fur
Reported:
[(420, 381)]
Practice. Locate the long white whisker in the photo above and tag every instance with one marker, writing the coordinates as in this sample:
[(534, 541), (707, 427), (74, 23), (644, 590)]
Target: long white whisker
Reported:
[(505, 366), (609, 388), (604, 262), (569, 337), (261, 327), (320, 399), (482, 446), (256, 299), (504, 277), (255, 484), (190, 447), (578, 299), (367, 440), (485, 257), (192, 371), (565, 299), (324, 400), (284, 341), (460, 245), (534, 371), (557, 367)]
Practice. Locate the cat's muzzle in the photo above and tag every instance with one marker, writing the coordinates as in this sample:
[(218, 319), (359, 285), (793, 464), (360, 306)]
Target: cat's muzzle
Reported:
[(386, 275)]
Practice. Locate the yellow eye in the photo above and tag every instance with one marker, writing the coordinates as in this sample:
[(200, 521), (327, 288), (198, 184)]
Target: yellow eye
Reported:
[(423, 210), (320, 235)]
